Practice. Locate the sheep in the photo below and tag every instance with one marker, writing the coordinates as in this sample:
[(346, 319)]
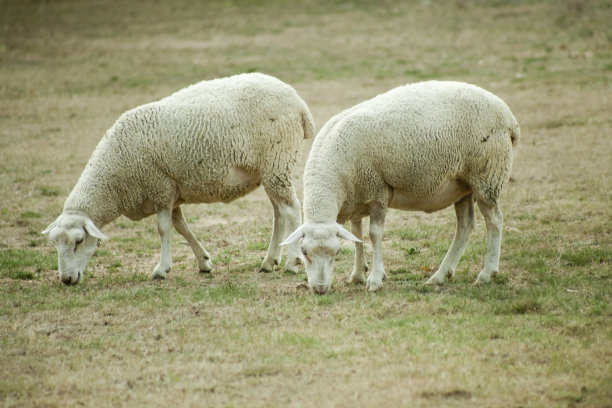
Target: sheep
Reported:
[(213, 141), (418, 147)]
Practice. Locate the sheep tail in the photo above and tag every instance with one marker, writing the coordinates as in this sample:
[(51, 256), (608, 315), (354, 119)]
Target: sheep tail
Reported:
[(515, 134), (308, 125)]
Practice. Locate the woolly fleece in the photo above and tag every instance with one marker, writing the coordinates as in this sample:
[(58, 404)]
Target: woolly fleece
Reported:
[(187, 147), (412, 138)]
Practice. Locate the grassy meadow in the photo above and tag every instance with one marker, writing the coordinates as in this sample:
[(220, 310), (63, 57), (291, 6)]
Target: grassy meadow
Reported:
[(539, 336)]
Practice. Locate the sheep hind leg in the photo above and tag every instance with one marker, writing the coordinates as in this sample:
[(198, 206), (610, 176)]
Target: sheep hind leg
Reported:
[(494, 221), (273, 255), (360, 268), (202, 256), (287, 217), (464, 210), (377, 223), (292, 213), (164, 227)]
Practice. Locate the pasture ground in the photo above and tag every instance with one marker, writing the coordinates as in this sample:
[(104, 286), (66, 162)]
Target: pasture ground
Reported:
[(540, 336)]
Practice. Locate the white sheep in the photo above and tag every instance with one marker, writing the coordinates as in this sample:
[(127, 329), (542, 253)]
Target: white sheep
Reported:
[(214, 141), (419, 147)]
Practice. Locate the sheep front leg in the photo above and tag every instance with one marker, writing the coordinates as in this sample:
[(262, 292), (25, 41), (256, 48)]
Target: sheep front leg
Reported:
[(494, 221), (360, 268), (377, 223), (201, 254), (464, 210), (164, 227)]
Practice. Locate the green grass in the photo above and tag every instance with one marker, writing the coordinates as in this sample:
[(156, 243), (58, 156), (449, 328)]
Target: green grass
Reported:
[(224, 294), (30, 214), (538, 336), (48, 191), (25, 264), (257, 246), (587, 256)]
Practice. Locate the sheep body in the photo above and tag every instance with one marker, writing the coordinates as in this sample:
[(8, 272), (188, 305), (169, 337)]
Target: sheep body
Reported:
[(214, 141), (422, 147)]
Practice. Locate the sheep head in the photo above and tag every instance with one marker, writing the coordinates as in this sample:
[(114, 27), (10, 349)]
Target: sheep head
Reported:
[(75, 236), (320, 243)]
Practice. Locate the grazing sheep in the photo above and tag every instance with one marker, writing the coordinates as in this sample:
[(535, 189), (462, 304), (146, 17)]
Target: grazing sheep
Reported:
[(419, 147), (213, 141)]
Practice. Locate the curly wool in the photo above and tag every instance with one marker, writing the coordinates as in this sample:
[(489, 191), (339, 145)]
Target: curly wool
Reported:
[(412, 139), (213, 141)]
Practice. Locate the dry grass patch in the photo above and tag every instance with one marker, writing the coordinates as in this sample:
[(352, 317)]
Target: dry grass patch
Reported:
[(538, 337)]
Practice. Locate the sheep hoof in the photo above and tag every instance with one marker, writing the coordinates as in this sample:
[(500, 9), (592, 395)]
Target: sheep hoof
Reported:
[(160, 272), (433, 281), (374, 286), (439, 277), (291, 267), (484, 277), (478, 282), (268, 265), (205, 266), (356, 279)]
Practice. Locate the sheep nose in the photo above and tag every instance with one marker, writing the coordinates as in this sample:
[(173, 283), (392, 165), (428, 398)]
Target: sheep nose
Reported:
[(319, 289), (67, 280)]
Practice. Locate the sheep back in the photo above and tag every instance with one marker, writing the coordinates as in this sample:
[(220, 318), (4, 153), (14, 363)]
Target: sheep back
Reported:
[(412, 138), (213, 141)]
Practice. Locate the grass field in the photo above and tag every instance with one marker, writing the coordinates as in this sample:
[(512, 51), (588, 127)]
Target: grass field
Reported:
[(540, 336)]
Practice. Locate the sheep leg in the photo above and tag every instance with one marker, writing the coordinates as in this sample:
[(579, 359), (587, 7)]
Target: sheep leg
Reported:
[(464, 210), (273, 255), (292, 213), (377, 223), (360, 268), (287, 216), (164, 227), (494, 221), (180, 225)]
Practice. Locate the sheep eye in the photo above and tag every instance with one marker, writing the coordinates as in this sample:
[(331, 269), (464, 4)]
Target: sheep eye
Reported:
[(304, 252), (77, 243)]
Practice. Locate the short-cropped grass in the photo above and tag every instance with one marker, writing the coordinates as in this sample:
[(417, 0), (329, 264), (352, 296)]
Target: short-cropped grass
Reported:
[(24, 263), (538, 336)]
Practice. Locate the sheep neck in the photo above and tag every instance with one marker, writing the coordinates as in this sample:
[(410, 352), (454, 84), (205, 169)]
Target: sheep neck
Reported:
[(93, 197), (323, 198)]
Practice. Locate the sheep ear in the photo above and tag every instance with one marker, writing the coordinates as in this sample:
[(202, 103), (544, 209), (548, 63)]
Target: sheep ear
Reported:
[(92, 230), (295, 236), (346, 234), (49, 228)]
